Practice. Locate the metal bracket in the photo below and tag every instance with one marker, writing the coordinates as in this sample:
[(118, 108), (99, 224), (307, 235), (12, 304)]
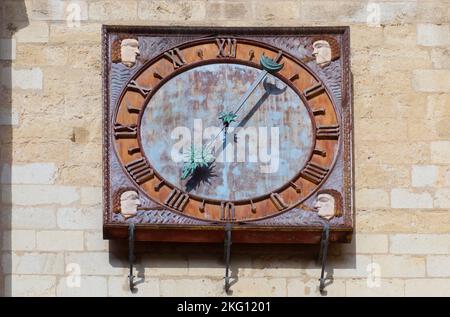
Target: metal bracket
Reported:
[(131, 231), (323, 254), (227, 255)]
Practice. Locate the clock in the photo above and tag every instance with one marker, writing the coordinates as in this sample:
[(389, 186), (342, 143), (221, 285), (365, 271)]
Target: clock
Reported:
[(208, 127)]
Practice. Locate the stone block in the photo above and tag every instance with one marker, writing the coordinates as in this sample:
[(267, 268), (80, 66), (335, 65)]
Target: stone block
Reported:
[(310, 287), (427, 287), (90, 286), (433, 34), (400, 265), (30, 79), (420, 243), (35, 32), (33, 263), (33, 173), (32, 218), (365, 288), (57, 10), (192, 287), (7, 49), (145, 287), (19, 240), (32, 285), (31, 195), (98, 263), (60, 240), (440, 152), (431, 80), (424, 175), (113, 10), (442, 198), (175, 10), (372, 198), (94, 241), (91, 195), (74, 218), (366, 243), (405, 198)]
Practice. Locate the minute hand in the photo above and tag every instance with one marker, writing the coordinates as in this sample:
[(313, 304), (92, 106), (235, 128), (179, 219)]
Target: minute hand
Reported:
[(269, 66)]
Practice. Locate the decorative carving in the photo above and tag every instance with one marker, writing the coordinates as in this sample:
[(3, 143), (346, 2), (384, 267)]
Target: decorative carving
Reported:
[(129, 203), (333, 79), (125, 50), (326, 49), (328, 204)]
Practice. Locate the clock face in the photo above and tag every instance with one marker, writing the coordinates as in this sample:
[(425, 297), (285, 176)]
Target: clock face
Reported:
[(279, 147)]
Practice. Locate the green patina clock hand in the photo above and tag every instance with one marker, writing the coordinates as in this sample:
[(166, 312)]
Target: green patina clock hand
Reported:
[(202, 157), (269, 66)]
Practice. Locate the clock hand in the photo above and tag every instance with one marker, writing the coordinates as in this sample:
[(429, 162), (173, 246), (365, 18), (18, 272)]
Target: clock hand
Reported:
[(270, 89), (198, 158), (269, 66)]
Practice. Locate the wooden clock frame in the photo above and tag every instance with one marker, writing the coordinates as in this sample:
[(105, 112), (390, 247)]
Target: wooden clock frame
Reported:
[(172, 226), (162, 223)]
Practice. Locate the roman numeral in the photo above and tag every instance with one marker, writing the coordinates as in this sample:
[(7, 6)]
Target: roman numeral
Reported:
[(125, 131), (253, 206), (314, 173), (134, 150), (319, 112), (278, 201), (279, 56), (139, 170), (133, 85), (327, 132), (132, 109), (157, 75), (176, 57), (177, 199), (200, 53), (297, 188), (251, 55), (158, 186), (294, 77), (320, 152), (202, 207), (314, 91), (227, 211), (227, 47)]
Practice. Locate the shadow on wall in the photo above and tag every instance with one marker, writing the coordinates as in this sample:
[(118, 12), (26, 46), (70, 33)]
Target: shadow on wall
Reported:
[(13, 19), (194, 261)]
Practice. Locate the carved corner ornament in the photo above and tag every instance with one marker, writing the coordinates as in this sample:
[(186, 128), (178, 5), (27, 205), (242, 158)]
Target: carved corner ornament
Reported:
[(125, 50), (325, 50), (127, 203), (328, 204)]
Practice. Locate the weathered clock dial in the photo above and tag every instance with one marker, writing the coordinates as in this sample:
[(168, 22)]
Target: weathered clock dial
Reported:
[(235, 127)]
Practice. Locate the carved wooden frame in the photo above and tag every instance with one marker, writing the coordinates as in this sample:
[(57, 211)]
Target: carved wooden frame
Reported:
[(283, 230)]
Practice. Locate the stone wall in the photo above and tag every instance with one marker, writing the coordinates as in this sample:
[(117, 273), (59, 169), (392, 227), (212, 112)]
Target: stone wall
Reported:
[(50, 121)]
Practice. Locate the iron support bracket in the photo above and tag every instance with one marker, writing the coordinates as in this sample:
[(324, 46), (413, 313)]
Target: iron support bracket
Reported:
[(323, 254), (227, 255), (131, 232)]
